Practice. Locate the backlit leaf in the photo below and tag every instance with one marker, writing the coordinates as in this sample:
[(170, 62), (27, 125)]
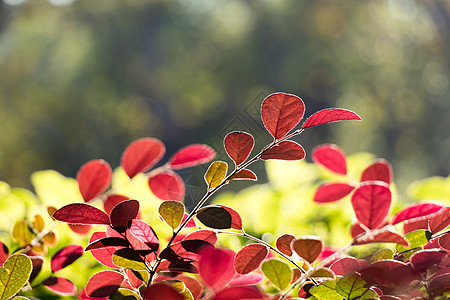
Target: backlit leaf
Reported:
[(128, 259), (38, 223), (191, 155), (172, 213), (326, 290), (238, 145), (79, 228), (278, 272), (439, 220), (308, 247), (244, 174), (424, 259), (123, 213), (107, 242), (281, 112), (283, 243), (215, 174), (444, 242), (286, 150), (80, 213), (330, 115), (167, 186), (236, 220), (103, 255), (331, 157), (331, 192), (385, 253), (216, 267), (160, 291), (103, 284), (124, 294), (60, 286), (215, 217), (194, 286), (113, 200), (415, 210), (22, 233), (380, 170), (141, 155), (416, 239), (384, 236), (239, 292), (249, 258), (203, 234), (4, 253), (14, 274), (144, 233), (247, 279), (371, 202), (352, 286), (94, 178), (345, 265), (186, 249), (388, 272), (65, 257)]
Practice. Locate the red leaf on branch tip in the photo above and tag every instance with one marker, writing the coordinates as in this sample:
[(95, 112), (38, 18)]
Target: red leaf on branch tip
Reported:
[(167, 186), (4, 253), (331, 157), (308, 247), (244, 174), (65, 257), (385, 236), (330, 115), (380, 170), (203, 234), (145, 234), (281, 112), (123, 213), (249, 258), (239, 292), (371, 202), (192, 155), (80, 213), (161, 291), (103, 255), (416, 210), (345, 265), (216, 267), (94, 178), (141, 155), (80, 229), (286, 150), (238, 145), (236, 221), (439, 220), (332, 192), (112, 201), (424, 259), (283, 243), (60, 286), (103, 284)]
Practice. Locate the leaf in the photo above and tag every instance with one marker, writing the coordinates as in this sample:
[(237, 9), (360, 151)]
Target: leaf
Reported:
[(172, 213), (239, 292), (286, 150), (381, 236), (107, 242), (123, 213), (216, 267), (194, 286), (215, 217), (381, 170), (385, 253), (244, 174), (94, 178), (141, 155), (308, 247), (203, 234), (22, 233), (113, 200), (238, 145), (215, 174), (331, 157), (415, 210), (103, 255), (352, 286), (124, 294), (278, 272), (4, 253), (103, 284), (14, 274), (371, 202), (424, 259), (444, 242), (60, 286), (136, 278), (128, 259), (80, 213), (167, 186), (416, 239), (190, 223), (38, 223), (326, 290), (281, 112), (388, 273), (332, 192), (247, 279), (187, 249), (160, 291), (236, 220), (191, 155), (249, 258), (283, 243), (330, 115), (80, 229), (144, 233), (65, 257), (439, 220), (345, 265), (438, 283)]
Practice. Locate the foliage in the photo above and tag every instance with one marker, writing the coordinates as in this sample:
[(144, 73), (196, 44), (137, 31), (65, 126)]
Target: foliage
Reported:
[(188, 255)]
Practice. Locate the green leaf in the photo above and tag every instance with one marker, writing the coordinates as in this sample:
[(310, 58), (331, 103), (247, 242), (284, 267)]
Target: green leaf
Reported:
[(416, 239), (382, 254), (22, 233), (352, 286), (215, 217), (326, 291), (124, 294), (216, 173), (172, 213), (14, 274), (278, 272), (128, 259)]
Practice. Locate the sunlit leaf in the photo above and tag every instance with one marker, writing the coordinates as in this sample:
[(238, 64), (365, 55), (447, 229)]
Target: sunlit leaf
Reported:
[(345, 265), (329, 115), (144, 233), (323, 273), (215, 217), (249, 258), (380, 170), (308, 247), (80, 213), (60, 286), (123, 213), (352, 286), (424, 259), (238, 145), (278, 272), (385, 253), (388, 272), (216, 267), (79, 228), (239, 292), (332, 191), (103, 255), (191, 155), (107, 242), (326, 290), (50, 238), (286, 150), (384, 236), (236, 221), (215, 174), (160, 291), (4, 253), (194, 286), (203, 234), (444, 242), (167, 186), (416, 239), (113, 200), (172, 213), (14, 274), (416, 210), (331, 157), (124, 294), (65, 257), (187, 249), (244, 174), (22, 233), (38, 223), (247, 279), (103, 284), (129, 259), (283, 243), (141, 155), (94, 178), (439, 220)]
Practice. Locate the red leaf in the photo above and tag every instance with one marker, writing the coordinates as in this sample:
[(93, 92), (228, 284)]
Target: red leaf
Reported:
[(141, 155), (194, 286), (80, 229), (238, 145), (331, 192), (103, 284), (135, 281), (60, 286), (249, 258), (236, 221), (107, 242), (331, 157), (283, 243), (247, 279), (380, 170), (439, 220), (145, 234), (416, 210), (441, 282), (388, 272), (103, 255), (281, 112), (191, 155), (444, 241), (112, 201), (190, 223), (330, 115), (216, 266), (65, 257), (167, 186), (4, 253), (308, 247), (204, 234), (161, 291), (371, 202), (244, 174), (286, 150), (424, 259), (186, 249), (94, 178), (345, 265), (382, 236), (356, 229), (123, 213), (238, 293), (80, 213)]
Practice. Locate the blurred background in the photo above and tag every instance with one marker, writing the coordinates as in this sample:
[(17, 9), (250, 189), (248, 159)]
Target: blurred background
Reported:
[(81, 80)]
